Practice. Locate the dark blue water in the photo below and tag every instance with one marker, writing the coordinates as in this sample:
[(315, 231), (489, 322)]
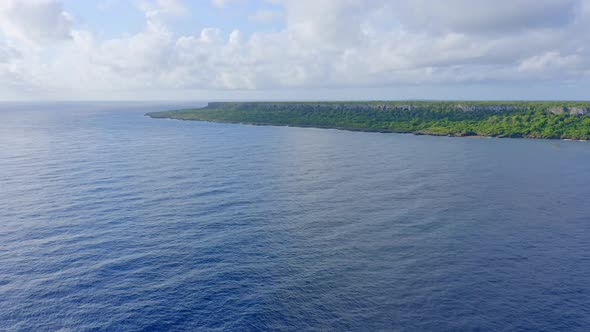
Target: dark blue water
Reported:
[(110, 220)]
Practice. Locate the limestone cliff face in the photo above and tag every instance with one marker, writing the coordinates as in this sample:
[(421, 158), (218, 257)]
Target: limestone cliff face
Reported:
[(571, 110), (493, 108)]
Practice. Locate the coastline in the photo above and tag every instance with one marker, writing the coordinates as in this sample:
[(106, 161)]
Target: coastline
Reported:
[(530, 120), (367, 130)]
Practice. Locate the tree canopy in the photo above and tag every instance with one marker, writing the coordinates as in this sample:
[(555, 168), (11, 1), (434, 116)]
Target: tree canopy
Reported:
[(498, 119)]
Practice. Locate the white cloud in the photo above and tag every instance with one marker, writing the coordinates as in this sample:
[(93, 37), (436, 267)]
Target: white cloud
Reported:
[(8, 53), (485, 16), (172, 7), (166, 8), (554, 64), (35, 21), (324, 44)]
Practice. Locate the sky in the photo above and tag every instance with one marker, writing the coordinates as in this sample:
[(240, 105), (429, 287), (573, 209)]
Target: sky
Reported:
[(294, 49)]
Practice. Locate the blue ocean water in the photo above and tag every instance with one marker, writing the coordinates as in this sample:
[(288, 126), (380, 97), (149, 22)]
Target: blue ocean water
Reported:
[(112, 221)]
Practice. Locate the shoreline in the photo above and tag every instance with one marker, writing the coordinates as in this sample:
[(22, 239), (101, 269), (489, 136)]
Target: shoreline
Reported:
[(363, 130), (517, 119)]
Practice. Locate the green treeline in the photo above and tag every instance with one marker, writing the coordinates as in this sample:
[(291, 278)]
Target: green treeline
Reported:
[(499, 119)]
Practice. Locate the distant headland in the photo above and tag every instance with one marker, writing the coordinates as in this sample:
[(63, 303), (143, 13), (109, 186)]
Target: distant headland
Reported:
[(526, 119)]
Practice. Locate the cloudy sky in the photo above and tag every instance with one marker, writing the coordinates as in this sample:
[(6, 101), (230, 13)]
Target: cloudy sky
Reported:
[(294, 49)]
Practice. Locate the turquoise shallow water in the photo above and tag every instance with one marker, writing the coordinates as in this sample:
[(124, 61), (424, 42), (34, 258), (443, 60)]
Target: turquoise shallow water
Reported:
[(110, 220)]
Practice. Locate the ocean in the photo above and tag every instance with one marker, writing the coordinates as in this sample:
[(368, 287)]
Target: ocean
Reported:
[(113, 221)]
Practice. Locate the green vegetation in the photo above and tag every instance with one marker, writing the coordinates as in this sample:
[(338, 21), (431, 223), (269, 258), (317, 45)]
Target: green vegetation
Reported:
[(499, 119)]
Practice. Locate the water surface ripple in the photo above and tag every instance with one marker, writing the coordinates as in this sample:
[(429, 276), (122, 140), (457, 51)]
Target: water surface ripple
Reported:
[(112, 221)]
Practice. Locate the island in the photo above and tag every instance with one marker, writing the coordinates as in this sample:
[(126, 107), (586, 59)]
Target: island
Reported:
[(525, 119)]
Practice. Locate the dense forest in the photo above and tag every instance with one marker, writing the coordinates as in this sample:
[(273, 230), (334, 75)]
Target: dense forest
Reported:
[(499, 119)]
